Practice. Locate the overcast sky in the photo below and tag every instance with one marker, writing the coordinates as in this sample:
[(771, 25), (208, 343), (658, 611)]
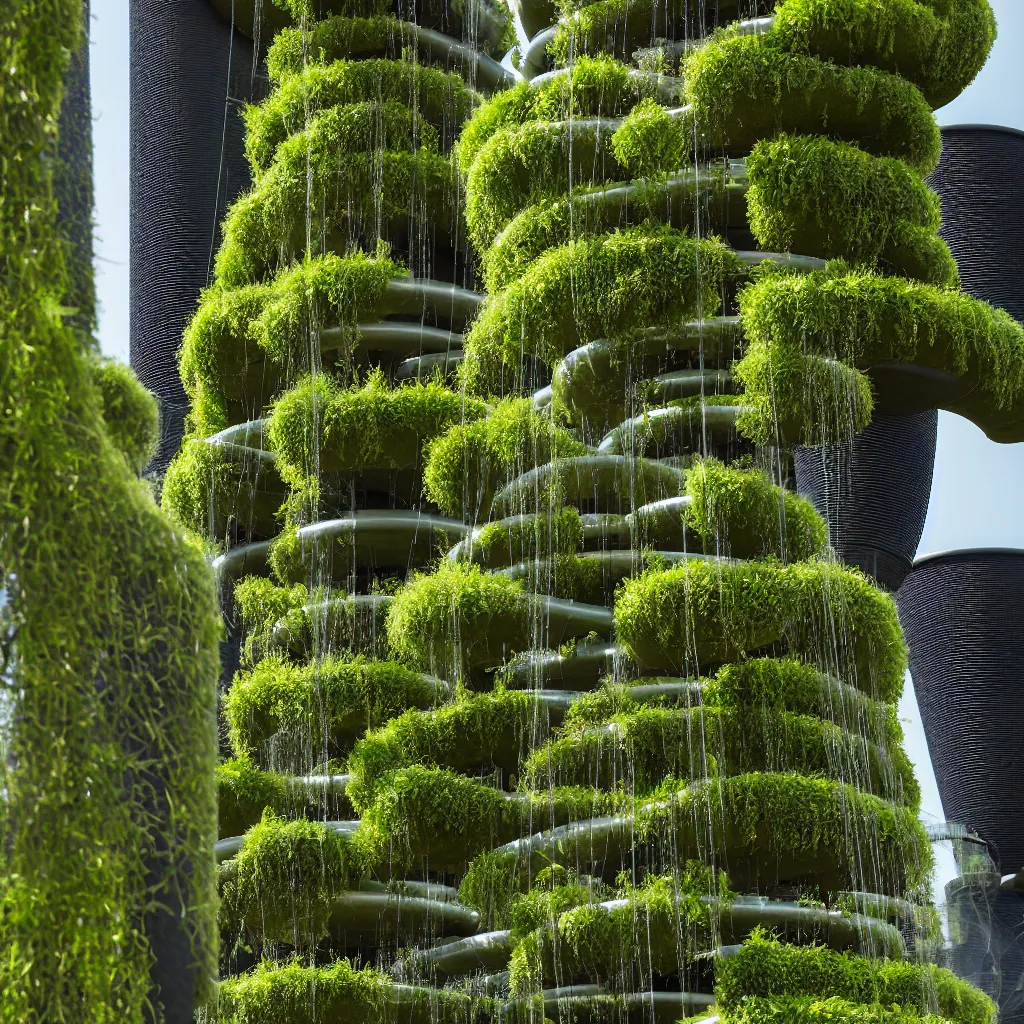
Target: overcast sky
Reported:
[(978, 490)]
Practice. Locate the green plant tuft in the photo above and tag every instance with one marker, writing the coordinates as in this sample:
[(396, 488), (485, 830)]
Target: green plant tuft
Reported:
[(705, 613), (129, 411), (468, 463)]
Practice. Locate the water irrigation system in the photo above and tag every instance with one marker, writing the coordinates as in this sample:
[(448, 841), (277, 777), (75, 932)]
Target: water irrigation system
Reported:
[(553, 390)]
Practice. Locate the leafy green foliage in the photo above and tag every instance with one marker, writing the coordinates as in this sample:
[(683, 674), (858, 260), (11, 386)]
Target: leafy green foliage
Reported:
[(468, 463), (129, 412), (596, 86), (743, 507), (271, 326), (649, 928), (244, 792), (440, 97), (746, 88), (319, 426), (287, 873), (765, 968), (478, 731), (642, 748), (812, 195), (593, 288), (862, 318), (940, 46), (294, 993), (457, 618), (771, 826), (328, 184), (325, 705), (705, 612)]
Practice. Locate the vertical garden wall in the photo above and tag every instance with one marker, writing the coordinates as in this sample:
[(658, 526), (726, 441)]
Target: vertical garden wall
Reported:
[(554, 701)]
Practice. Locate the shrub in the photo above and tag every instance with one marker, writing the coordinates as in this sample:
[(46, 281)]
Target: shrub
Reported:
[(330, 180), (642, 748), (862, 318), (705, 612), (129, 411), (823, 198), (319, 425), (287, 874), (593, 288), (440, 97), (746, 88), (322, 707), (767, 968), (475, 732), (458, 618), (471, 460), (741, 509), (940, 47)]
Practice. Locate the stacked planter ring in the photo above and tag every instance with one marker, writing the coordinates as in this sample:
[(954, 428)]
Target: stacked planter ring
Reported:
[(620, 742)]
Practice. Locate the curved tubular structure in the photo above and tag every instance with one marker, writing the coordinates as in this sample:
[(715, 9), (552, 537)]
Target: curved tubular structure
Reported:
[(554, 701)]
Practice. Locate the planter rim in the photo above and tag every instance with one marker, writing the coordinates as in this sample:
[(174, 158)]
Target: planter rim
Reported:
[(967, 554), (977, 126)]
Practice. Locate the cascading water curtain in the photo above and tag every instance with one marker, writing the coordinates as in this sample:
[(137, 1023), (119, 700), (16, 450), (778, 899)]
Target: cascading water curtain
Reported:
[(553, 702)]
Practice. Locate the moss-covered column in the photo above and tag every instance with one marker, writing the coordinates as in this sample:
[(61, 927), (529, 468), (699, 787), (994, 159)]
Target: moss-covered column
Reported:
[(109, 629)]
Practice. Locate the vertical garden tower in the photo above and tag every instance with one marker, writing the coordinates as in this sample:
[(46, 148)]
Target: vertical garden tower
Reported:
[(554, 700)]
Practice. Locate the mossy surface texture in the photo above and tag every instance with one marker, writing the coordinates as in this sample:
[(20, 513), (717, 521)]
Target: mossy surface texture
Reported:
[(109, 623)]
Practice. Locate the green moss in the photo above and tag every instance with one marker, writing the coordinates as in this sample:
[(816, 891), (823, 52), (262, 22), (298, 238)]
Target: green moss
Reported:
[(783, 683), (521, 165), (292, 621), (864, 319), (431, 819), (792, 397), (458, 618), (328, 704), (440, 97), (518, 538), (743, 510), (745, 88), (823, 198), (766, 968), (570, 577), (758, 685), (545, 904), (287, 873), (330, 185), (597, 86), (129, 411), (768, 827), (243, 343), (652, 928), (589, 211), (594, 288), (481, 731), (339, 38), (468, 463), (800, 825), (294, 993), (818, 1011), (109, 622), (319, 426), (705, 612), (209, 486), (642, 748), (940, 46), (244, 792)]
